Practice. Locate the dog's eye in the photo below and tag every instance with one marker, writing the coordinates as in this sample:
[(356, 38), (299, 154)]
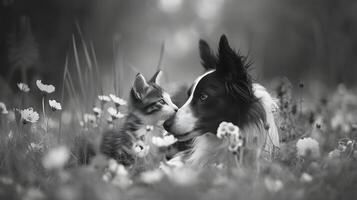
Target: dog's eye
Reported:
[(162, 101), (203, 97)]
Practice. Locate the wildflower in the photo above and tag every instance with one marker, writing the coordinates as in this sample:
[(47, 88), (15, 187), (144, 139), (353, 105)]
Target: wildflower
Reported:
[(273, 185), (116, 168), (114, 113), (29, 115), (6, 180), (232, 133), (10, 135), (55, 105), (163, 141), (222, 130), (140, 149), (35, 147), (149, 128), (305, 177), (182, 176), (89, 118), (103, 98), (150, 177), (117, 100), (52, 123), (23, 87), (56, 158), (3, 109), (117, 175), (45, 88), (110, 120), (97, 111), (33, 193), (227, 128), (308, 146)]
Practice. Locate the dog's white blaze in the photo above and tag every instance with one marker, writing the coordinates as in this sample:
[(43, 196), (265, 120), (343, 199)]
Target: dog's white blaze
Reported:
[(194, 87), (185, 121)]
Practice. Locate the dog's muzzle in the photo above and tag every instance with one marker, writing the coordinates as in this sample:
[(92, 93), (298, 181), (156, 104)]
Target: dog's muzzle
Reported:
[(168, 123)]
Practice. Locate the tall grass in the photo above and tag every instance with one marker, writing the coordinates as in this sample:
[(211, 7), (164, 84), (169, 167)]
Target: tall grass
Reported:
[(25, 147)]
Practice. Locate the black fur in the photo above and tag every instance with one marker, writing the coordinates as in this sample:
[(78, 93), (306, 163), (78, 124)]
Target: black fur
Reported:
[(227, 92)]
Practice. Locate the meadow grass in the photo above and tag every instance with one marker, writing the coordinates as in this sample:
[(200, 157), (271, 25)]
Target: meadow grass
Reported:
[(55, 157)]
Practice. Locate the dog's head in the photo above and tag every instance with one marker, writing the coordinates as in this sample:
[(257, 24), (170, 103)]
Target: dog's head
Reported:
[(149, 101), (223, 93)]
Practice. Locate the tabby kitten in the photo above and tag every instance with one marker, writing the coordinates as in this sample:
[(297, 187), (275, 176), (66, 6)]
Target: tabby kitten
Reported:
[(148, 104)]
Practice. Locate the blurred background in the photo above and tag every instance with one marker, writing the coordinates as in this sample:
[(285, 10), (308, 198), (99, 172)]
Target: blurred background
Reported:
[(310, 41)]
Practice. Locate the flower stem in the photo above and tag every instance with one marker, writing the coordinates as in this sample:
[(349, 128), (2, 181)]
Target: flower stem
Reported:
[(241, 152), (44, 112)]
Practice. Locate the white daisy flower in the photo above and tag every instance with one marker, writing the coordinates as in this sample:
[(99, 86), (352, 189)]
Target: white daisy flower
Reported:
[(116, 168), (222, 130), (273, 185), (10, 135), (150, 177), (114, 113), (56, 158), (231, 132), (163, 141), (117, 175), (104, 98), (89, 118), (307, 146), (97, 111), (305, 177), (45, 88), (35, 147), (117, 100), (29, 115), (149, 128), (140, 149), (3, 109), (55, 105), (23, 87)]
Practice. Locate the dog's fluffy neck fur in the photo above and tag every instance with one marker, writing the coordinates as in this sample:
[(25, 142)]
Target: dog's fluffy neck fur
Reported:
[(209, 150)]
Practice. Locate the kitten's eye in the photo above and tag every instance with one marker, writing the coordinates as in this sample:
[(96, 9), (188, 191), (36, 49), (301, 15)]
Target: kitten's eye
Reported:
[(203, 97), (162, 101)]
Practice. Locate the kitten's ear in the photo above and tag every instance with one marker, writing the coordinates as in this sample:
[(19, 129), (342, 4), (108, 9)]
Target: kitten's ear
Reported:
[(157, 77), (208, 60), (140, 86)]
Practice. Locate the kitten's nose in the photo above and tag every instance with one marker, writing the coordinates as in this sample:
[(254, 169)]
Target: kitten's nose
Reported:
[(168, 123)]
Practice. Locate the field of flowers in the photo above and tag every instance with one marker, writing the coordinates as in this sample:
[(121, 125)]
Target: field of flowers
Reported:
[(44, 153), (49, 138)]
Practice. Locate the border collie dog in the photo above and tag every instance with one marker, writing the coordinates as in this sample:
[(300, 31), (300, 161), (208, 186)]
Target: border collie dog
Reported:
[(224, 93)]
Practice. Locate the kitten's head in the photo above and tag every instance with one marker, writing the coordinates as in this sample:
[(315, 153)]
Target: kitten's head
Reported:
[(149, 101)]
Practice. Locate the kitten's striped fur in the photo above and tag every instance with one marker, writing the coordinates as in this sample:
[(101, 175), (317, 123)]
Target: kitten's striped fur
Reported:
[(149, 104)]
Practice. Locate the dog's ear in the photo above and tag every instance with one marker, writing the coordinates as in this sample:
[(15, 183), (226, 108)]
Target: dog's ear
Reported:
[(233, 67), (230, 63), (140, 87), (156, 78), (208, 59)]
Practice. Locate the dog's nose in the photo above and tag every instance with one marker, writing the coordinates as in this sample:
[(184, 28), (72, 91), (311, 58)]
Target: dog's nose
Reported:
[(168, 123), (175, 109)]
